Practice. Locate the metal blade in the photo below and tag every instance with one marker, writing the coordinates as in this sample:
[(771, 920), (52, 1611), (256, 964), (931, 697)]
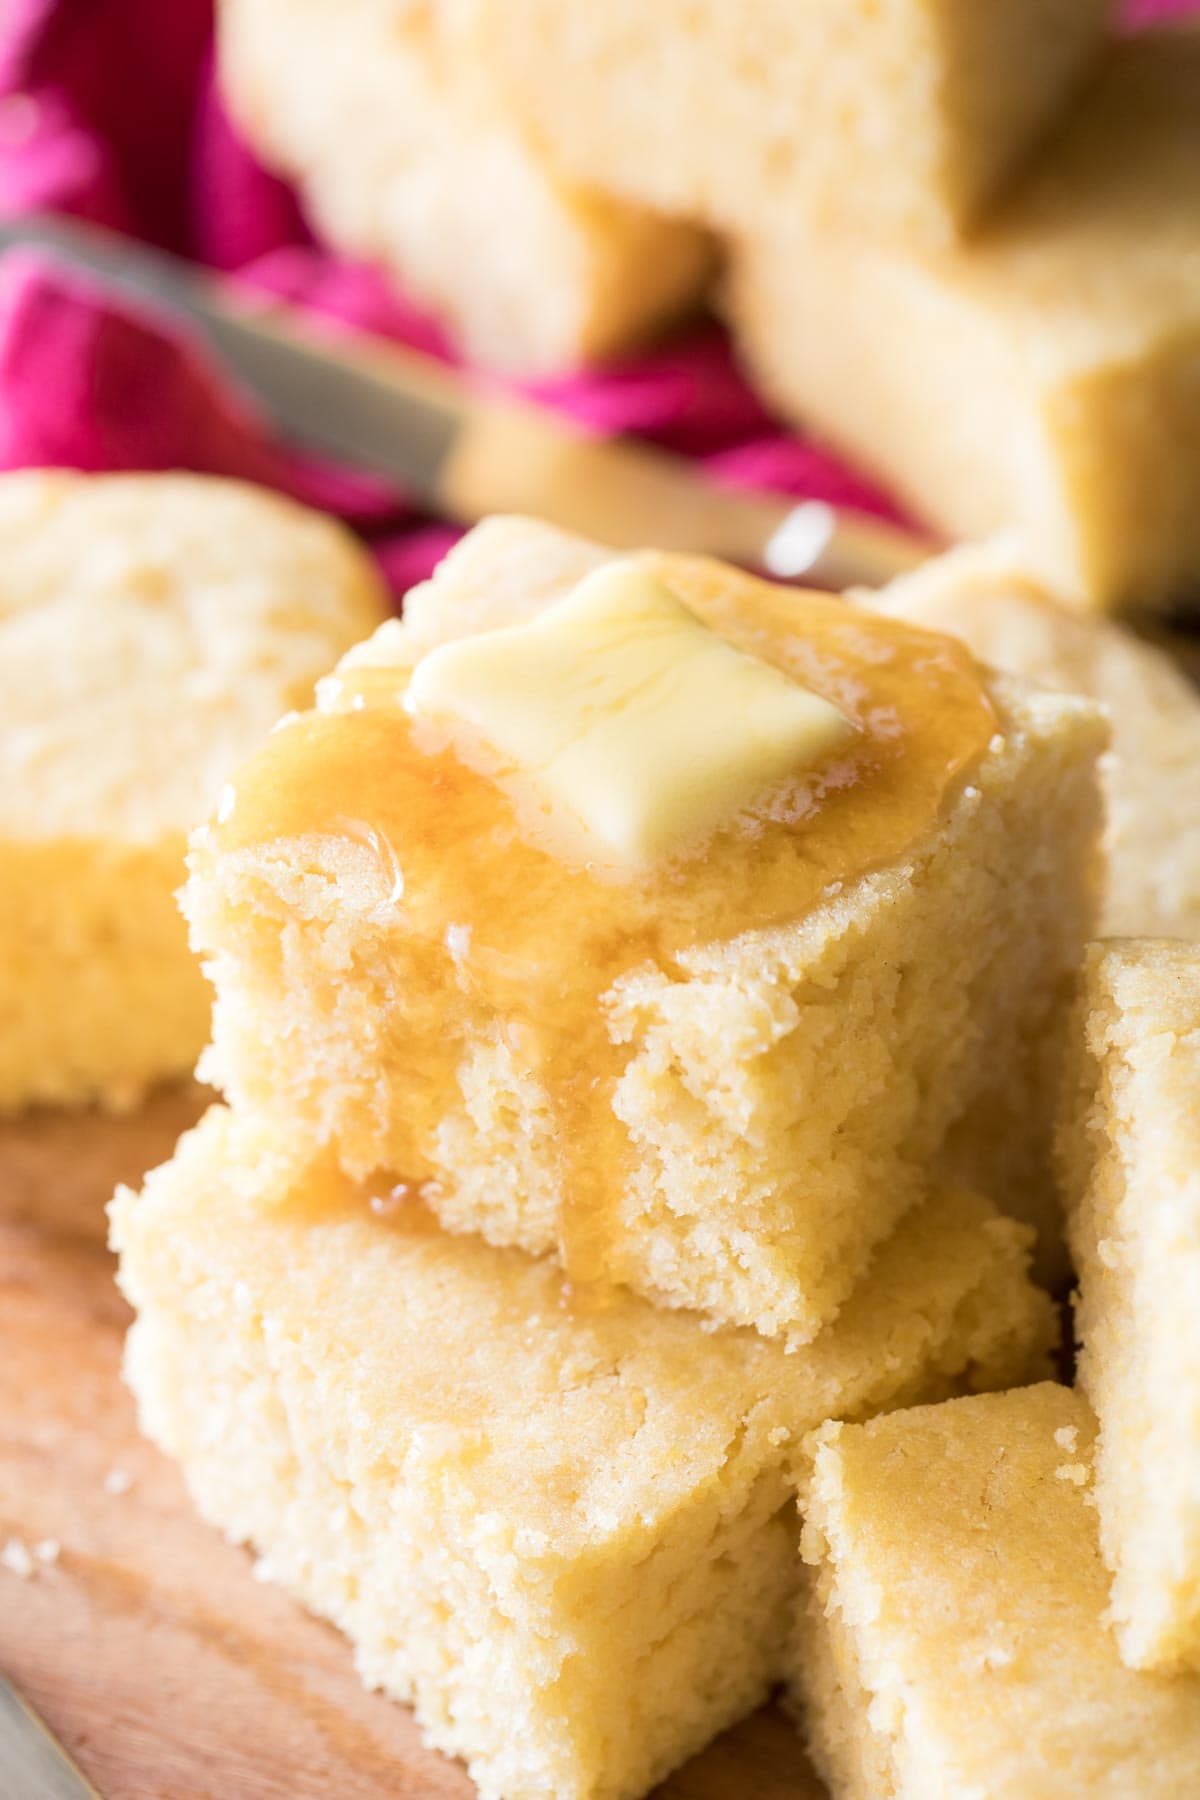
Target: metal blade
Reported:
[(467, 451), (333, 403), (33, 1766)]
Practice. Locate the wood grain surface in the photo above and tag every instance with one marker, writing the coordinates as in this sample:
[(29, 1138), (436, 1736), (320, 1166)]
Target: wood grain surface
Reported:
[(146, 1643)]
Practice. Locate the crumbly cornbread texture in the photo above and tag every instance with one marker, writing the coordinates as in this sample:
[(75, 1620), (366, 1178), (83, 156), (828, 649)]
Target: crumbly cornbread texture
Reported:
[(779, 1093), (564, 1532), (985, 595), (1056, 350), (405, 156), (1131, 1165), (902, 119), (152, 630), (952, 1641)]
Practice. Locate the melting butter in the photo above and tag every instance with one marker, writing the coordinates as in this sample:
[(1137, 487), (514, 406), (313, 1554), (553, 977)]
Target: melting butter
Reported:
[(627, 712)]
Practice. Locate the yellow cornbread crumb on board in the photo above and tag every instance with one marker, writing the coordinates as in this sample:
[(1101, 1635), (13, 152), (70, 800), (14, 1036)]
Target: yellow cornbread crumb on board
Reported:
[(637, 719), (565, 1532), (152, 628), (953, 1638), (18, 1559), (1130, 1160)]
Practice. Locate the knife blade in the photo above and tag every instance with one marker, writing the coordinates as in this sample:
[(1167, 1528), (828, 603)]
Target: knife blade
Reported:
[(462, 447), (33, 1765)]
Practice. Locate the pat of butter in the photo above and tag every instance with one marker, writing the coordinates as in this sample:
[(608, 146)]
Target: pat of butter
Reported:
[(628, 712)]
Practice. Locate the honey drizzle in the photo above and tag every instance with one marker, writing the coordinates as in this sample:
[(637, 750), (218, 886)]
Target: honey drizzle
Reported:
[(492, 905)]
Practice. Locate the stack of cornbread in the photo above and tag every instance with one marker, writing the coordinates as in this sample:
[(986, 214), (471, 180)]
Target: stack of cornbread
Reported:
[(961, 239), (644, 997), (609, 971)]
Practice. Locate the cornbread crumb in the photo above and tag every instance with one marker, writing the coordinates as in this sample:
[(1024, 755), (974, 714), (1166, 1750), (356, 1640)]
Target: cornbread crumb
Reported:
[(986, 595), (563, 1531), (1067, 1436), (16, 1558), (778, 1093), (952, 1636), (1130, 1157), (151, 630), (406, 157)]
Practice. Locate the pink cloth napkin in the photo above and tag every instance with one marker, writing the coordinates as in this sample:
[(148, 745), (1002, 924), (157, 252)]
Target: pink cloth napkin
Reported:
[(109, 111)]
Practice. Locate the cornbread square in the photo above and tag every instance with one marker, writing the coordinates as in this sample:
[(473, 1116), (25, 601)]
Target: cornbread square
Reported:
[(985, 595), (405, 156), (1131, 1166), (152, 630), (1056, 351), (952, 1639), (758, 1110), (563, 1532), (903, 119)]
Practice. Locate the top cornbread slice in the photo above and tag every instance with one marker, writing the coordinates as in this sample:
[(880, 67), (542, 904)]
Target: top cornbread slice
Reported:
[(902, 119), (954, 1643), (152, 630), (985, 595), (758, 1109), (1056, 350), (1131, 1166), (564, 1531), (406, 157)]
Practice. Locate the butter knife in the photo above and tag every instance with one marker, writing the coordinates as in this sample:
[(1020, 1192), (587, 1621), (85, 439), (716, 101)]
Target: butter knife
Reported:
[(464, 449), (33, 1765)]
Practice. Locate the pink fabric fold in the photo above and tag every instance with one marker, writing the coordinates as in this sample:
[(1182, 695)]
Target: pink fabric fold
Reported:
[(109, 111)]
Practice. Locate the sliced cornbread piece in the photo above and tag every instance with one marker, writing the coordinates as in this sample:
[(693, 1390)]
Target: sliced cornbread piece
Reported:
[(902, 119), (1042, 376), (152, 630), (1131, 1165), (985, 595), (562, 1531), (406, 157), (952, 1641), (721, 1081)]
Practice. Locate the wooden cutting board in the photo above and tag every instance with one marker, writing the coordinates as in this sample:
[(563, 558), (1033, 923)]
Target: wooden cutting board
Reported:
[(145, 1642)]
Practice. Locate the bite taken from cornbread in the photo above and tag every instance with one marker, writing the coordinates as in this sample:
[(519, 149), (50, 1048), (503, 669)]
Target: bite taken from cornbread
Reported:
[(1041, 375), (986, 595), (152, 630), (1131, 1168), (953, 1638), (902, 121), (564, 1532), (406, 155), (453, 937)]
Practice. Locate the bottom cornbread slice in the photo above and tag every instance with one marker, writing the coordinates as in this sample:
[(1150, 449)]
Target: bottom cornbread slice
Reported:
[(563, 1528), (953, 1642)]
